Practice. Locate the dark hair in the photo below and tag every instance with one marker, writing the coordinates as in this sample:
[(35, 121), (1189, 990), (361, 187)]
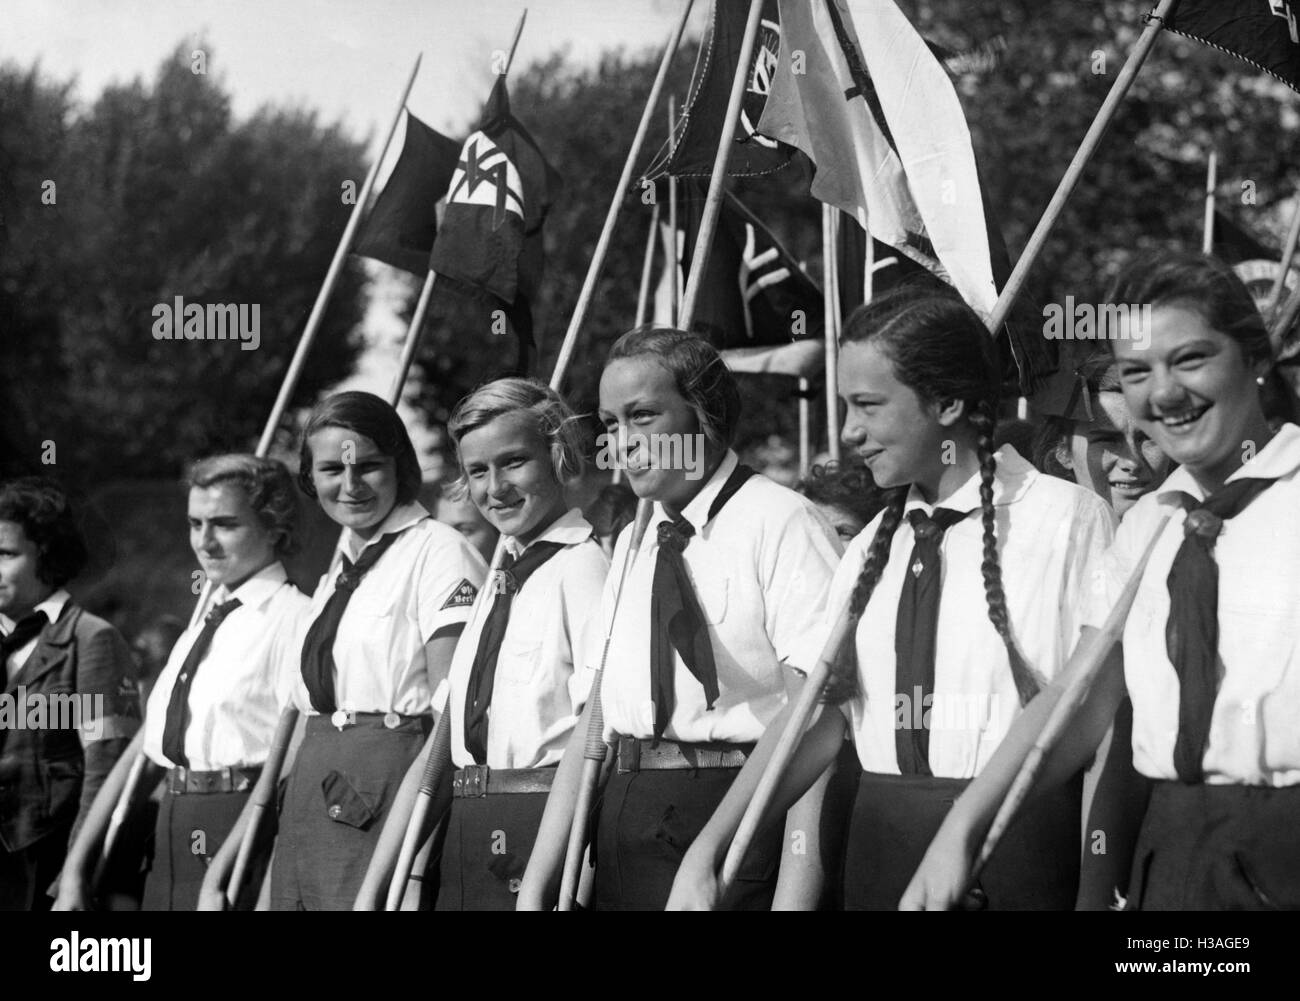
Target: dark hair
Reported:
[(267, 485), (941, 350), (849, 487), (613, 509), (368, 415), (702, 377), (42, 509), (1095, 374), (1213, 289)]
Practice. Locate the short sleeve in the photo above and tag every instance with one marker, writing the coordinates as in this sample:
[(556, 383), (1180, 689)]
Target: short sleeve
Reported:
[(799, 565), (448, 577), (583, 590)]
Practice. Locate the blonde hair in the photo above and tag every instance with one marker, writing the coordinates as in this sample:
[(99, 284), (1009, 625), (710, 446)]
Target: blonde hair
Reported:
[(554, 422)]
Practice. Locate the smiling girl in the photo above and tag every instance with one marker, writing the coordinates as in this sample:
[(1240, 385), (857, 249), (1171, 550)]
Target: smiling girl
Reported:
[(1096, 442), (213, 710), (1209, 655), (516, 684), (383, 626), (731, 575), (961, 589)]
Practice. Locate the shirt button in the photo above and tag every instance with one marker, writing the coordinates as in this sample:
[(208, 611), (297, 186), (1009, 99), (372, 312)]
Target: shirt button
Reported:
[(335, 811)]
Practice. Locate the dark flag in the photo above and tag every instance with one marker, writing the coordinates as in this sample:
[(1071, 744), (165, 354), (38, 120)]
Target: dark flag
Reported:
[(1234, 244), (401, 227), (753, 292), (701, 120), (889, 267), (1265, 33), (490, 243)]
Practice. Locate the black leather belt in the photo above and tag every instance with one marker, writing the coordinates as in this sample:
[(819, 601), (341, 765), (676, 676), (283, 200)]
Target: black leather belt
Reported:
[(480, 780), (639, 755), (186, 781)]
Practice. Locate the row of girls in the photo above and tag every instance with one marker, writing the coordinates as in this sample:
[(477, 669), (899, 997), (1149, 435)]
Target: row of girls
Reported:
[(969, 588)]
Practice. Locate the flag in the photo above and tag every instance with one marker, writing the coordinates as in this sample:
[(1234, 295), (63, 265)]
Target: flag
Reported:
[(881, 121), (753, 293), (700, 125), (889, 267), (401, 227), (490, 242), (1234, 244), (1264, 33)]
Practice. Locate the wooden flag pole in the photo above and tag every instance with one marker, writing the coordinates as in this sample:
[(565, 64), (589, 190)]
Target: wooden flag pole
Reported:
[(596, 750), (1288, 255), (290, 382), (287, 386), (830, 330), (647, 266), (805, 428), (675, 264), (1286, 317), (616, 205), (1080, 675), (713, 203), (1118, 91), (1211, 182)]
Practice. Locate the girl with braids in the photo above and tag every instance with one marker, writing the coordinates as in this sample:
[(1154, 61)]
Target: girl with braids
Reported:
[(731, 575), (962, 589), (1209, 654)]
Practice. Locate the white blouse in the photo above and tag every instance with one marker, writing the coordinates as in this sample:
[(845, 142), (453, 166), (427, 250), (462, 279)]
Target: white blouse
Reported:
[(537, 694), (1051, 534), (1255, 730), (760, 569)]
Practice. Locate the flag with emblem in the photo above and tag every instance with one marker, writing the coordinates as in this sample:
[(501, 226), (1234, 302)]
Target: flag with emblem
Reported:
[(401, 226), (753, 292), (1265, 33), (490, 242), (704, 111)]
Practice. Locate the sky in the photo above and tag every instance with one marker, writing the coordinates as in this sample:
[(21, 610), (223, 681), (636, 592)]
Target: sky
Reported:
[(349, 60)]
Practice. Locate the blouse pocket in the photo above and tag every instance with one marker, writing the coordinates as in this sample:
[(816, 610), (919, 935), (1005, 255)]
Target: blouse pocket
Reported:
[(519, 660)]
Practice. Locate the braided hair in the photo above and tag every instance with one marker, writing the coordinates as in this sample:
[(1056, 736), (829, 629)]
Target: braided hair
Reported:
[(941, 350)]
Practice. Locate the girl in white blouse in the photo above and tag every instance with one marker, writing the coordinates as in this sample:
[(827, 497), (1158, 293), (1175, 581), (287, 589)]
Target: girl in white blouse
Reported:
[(517, 680), (213, 710), (1209, 653), (962, 591), (731, 575), (383, 625)]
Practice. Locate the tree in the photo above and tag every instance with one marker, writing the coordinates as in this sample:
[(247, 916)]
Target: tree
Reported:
[(159, 194)]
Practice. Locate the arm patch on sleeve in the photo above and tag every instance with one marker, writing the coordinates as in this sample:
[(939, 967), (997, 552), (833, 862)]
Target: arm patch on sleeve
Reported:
[(464, 595)]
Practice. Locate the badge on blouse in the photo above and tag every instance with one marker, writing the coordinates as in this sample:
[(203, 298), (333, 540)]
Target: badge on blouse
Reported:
[(462, 597)]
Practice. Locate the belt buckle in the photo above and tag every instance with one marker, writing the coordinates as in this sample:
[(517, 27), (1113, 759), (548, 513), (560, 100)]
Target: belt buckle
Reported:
[(343, 718), (474, 781), (629, 755), (205, 782)]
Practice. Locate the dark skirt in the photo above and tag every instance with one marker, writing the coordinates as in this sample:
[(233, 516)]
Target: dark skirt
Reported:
[(485, 844), (645, 822), (895, 817), (1218, 848), (189, 831), (342, 785)]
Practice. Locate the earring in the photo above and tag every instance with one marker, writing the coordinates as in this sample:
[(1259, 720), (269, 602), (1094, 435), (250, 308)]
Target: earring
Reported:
[(1259, 380)]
